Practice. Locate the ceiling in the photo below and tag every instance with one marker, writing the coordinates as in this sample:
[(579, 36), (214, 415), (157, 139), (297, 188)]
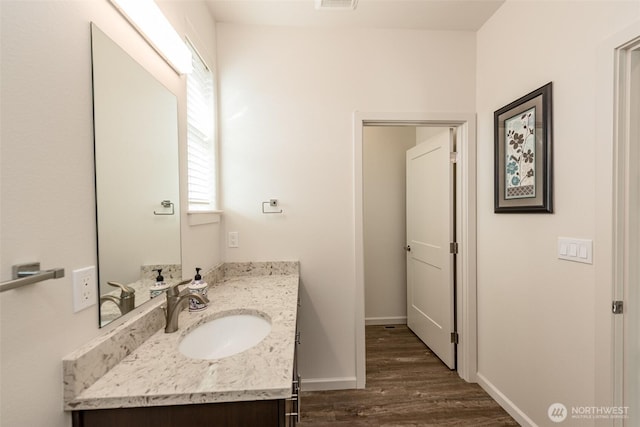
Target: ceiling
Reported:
[(455, 15)]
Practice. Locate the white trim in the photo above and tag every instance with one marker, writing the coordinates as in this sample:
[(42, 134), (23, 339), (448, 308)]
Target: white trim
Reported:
[(380, 321), (503, 401), (466, 296), (322, 384), (203, 217)]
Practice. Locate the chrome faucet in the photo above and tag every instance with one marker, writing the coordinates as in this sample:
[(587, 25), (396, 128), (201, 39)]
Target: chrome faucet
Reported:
[(126, 300), (176, 301)]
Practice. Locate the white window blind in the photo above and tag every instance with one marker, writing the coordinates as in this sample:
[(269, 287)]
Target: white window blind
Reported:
[(200, 136)]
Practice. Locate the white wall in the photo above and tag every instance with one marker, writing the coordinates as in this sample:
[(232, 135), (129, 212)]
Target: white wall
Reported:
[(384, 193), (537, 314), (47, 193), (287, 102), (423, 133)]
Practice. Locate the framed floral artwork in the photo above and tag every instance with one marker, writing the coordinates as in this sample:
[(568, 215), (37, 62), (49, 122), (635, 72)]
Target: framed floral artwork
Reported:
[(523, 154)]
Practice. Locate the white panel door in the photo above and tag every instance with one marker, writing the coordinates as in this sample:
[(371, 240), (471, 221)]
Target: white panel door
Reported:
[(430, 229)]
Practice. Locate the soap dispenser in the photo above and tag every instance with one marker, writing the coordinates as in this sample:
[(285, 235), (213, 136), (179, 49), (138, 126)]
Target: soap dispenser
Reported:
[(160, 286), (197, 286)]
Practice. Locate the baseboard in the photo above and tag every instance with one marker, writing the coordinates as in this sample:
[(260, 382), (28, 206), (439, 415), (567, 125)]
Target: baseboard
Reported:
[(321, 384), (503, 401), (376, 321)]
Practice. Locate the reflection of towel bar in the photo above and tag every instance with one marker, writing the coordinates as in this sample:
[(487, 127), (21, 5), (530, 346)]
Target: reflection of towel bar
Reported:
[(26, 274), (165, 204)]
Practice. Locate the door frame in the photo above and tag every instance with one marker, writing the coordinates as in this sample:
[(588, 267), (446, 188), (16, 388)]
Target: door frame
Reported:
[(466, 313)]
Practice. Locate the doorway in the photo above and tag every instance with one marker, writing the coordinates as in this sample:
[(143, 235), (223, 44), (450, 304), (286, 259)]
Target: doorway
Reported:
[(384, 216), (408, 227), (464, 125)]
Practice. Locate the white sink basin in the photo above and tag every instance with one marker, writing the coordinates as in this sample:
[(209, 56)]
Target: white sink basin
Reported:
[(225, 336)]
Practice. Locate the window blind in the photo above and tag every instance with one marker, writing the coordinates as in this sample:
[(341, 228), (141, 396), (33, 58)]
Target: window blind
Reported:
[(201, 162)]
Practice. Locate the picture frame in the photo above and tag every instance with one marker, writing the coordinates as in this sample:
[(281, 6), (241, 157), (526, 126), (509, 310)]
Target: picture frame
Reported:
[(523, 173)]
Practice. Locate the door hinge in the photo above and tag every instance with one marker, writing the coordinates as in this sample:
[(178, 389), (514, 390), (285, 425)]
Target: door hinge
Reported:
[(453, 247), (454, 157), (454, 337), (617, 307)]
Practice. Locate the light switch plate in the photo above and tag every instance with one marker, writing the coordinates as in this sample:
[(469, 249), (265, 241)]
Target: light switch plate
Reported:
[(577, 250)]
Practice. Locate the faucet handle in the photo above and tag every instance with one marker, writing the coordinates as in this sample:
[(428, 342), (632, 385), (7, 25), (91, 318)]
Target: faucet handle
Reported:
[(125, 290), (174, 289)]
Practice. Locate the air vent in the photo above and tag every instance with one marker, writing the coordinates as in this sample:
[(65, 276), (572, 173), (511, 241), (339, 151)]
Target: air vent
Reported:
[(336, 4)]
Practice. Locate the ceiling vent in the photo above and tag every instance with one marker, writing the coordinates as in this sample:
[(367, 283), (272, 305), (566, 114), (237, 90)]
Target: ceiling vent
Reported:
[(336, 4)]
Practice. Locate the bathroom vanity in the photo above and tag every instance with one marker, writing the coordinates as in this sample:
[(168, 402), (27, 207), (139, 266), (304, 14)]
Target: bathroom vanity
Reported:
[(263, 413), (136, 374)]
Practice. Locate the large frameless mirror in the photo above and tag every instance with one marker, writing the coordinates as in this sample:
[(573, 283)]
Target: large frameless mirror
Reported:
[(137, 184)]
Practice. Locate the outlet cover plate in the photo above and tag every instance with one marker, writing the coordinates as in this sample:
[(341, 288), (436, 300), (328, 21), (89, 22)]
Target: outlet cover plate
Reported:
[(84, 288), (233, 239)]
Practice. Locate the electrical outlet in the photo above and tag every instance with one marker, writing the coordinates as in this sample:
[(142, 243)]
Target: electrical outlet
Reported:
[(233, 239), (84, 288)]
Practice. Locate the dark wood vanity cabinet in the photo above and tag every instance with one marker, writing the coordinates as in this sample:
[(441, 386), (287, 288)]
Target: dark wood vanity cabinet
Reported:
[(264, 413)]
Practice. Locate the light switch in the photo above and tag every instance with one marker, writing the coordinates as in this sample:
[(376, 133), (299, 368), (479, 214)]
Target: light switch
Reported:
[(563, 249), (578, 250), (582, 251)]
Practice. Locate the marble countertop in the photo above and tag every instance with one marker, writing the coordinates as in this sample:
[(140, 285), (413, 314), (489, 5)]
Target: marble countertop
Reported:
[(156, 373)]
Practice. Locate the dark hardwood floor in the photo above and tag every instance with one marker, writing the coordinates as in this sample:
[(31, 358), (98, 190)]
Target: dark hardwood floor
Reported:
[(406, 386)]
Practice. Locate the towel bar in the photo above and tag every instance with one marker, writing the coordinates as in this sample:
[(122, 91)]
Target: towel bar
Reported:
[(26, 274)]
